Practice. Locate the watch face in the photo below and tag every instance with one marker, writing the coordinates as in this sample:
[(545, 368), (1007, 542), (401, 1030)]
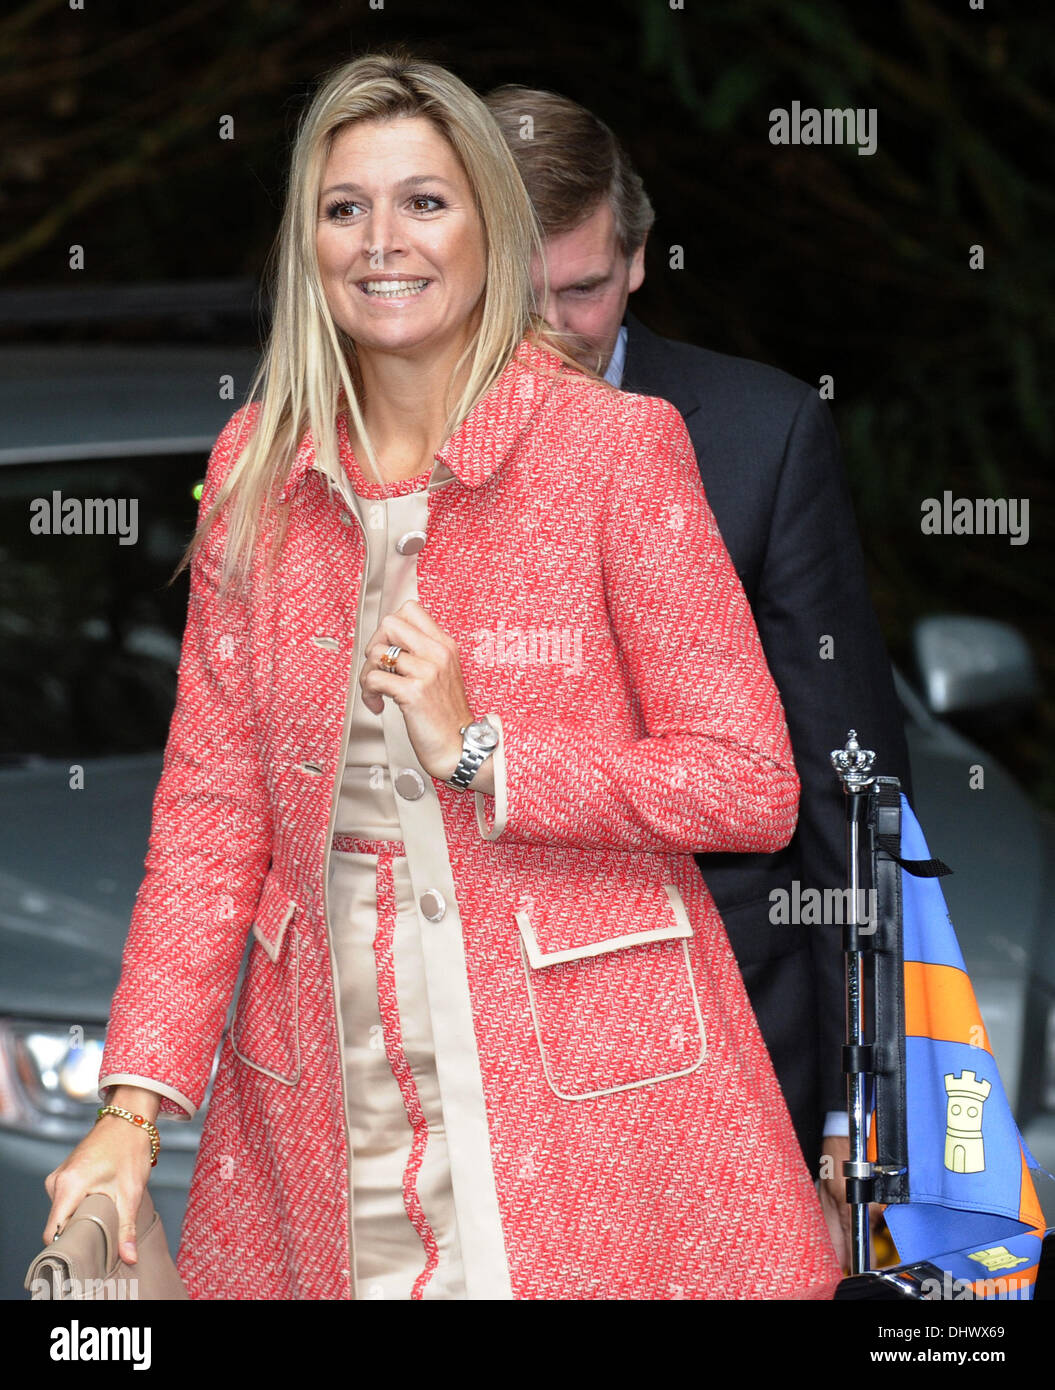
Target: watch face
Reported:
[(483, 733)]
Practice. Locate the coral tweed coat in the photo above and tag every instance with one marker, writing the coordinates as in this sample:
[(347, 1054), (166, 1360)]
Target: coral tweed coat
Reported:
[(615, 1127)]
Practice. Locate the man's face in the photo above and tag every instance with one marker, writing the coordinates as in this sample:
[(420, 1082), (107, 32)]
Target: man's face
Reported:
[(589, 282)]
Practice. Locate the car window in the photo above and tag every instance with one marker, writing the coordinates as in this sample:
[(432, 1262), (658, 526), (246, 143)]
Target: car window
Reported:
[(89, 633)]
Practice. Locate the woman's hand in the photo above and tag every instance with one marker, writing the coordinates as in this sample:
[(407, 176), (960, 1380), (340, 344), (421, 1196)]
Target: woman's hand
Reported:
[(113, 1157), (427, 686)]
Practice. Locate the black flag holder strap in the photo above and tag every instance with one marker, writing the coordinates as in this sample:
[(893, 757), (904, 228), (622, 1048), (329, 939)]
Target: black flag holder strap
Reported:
[(888, 792), (874, 1054)]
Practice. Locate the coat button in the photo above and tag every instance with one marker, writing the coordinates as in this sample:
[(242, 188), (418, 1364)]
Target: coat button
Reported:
[(432, 905), (411, 543), (409, 784)]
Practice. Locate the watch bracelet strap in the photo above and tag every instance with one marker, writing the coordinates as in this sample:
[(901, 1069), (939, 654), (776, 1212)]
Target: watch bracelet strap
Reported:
[(469, 763)]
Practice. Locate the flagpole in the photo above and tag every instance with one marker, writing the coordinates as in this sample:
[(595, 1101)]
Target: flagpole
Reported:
[(853, 767)]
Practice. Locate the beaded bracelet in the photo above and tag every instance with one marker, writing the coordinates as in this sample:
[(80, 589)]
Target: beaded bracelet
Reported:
[(142, 1121)]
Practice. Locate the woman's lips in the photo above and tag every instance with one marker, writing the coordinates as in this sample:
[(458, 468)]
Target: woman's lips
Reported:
[(395, 289)]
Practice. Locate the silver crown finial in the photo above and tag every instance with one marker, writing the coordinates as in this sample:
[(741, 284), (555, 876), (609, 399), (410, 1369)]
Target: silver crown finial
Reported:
[(853, 764)]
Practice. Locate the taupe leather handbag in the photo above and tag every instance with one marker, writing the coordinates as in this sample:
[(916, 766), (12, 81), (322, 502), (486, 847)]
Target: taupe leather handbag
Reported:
[(83, 1261)]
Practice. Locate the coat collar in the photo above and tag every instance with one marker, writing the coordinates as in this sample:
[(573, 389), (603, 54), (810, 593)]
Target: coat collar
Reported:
[(491, 431)]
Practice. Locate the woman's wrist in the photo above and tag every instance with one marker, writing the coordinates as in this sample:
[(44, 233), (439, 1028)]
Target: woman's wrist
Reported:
[(483, 780), (135, 1098)]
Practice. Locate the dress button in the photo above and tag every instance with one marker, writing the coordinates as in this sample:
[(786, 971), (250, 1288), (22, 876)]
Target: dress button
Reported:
[(409, 784), (411, 543), (432, 905)]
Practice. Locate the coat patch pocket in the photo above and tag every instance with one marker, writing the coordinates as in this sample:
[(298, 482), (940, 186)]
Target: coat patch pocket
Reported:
[(265, 1030), (621, 1010)]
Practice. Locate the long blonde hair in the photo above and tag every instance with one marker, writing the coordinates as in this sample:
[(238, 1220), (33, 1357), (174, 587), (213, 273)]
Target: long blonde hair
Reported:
[(308, 358)]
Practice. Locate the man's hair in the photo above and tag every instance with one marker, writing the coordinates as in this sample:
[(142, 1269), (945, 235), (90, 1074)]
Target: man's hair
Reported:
[(570, 163)]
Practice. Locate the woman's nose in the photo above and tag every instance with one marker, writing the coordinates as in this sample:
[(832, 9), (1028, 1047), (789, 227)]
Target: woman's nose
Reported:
[(382, 237)]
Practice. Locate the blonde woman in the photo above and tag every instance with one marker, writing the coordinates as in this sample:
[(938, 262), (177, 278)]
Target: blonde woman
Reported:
[(491, 1041)]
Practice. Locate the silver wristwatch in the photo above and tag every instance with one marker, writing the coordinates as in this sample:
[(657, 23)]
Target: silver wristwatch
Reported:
[(479, 740)]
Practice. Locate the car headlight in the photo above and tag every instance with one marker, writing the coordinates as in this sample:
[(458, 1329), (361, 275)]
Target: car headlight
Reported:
[(49, 1082), (48, 1070), (60, 1071)]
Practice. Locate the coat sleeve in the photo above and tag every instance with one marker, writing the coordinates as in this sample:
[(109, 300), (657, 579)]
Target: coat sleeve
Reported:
[(208, 851), (713, 769)]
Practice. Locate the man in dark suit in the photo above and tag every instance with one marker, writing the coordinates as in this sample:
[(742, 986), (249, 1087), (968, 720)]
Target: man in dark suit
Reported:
[(769, 459)]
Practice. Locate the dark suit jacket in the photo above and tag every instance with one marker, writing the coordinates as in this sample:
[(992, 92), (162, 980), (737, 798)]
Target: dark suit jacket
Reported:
[(769, 459)]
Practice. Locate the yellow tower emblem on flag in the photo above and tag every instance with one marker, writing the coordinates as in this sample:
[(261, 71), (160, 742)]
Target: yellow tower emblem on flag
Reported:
[(964, 1150), (997, 1257)]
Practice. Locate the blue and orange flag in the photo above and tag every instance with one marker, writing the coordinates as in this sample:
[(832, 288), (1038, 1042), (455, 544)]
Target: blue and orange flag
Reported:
[(969, 1180)]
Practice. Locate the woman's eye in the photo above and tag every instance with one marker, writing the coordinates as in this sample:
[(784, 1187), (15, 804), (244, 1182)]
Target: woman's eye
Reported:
[(334, 209)]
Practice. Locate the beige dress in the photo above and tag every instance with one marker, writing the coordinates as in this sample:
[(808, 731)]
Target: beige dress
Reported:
[(404, 1224)]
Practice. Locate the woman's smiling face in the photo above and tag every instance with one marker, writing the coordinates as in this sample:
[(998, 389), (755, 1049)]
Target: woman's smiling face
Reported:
[(396, 208)]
